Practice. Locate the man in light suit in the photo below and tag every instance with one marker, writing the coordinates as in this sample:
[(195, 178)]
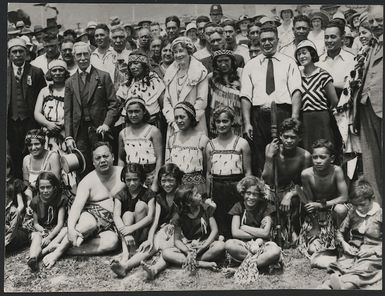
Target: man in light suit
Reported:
[(90, 105), (24, 83), (370, 107)]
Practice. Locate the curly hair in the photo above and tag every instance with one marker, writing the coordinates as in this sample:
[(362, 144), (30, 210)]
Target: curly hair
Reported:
[(249, 181), (291, 124), (37, 134), (322, 143), (170, 169), (361, 189), (223, 109)]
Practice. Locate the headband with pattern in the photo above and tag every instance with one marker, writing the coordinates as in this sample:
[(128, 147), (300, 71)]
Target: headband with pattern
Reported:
[(186, 108), (223, 52), (137, 58), (29, 137), (134, 100)]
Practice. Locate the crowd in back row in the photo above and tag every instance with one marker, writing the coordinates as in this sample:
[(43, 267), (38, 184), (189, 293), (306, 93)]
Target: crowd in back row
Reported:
[(204, 104)]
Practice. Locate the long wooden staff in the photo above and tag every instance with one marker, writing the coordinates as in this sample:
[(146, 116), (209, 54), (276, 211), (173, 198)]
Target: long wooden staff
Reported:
[(274, 135)]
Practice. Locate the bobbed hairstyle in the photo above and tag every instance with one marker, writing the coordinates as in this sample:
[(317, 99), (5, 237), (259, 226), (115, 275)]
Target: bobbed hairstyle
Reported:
[(322, 143), (146, 115), (223, 109), (361, 189), (170, 169), (249, 181), (184, 195), (54, 181), (133, 168)]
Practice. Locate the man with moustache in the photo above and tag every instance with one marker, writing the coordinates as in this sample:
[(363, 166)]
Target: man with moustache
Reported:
[(270, 76), (301, 29), (90, 104), (68, 57), (24, 83), (103, 56)]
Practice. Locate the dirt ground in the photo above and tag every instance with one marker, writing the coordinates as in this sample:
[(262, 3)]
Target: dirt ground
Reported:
[(79, 274)]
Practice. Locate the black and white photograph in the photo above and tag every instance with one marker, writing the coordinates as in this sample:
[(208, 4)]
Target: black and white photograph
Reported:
[(193, 147)]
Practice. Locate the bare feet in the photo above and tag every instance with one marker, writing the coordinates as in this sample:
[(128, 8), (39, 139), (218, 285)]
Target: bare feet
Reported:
[(50, 259), (50, 248), (229, 272), (335, 282), (118, 269), (33, 264), (149, 271), (208, 265)]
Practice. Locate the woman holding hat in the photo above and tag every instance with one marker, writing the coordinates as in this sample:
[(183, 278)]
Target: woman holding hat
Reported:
[(143, 83), (319, 97), (319, 21), (141, 142), (186, 81), (187, 147), (224, 88)]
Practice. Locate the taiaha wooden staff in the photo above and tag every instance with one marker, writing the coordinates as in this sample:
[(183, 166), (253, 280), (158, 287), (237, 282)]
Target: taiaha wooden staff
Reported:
[(274, 135)]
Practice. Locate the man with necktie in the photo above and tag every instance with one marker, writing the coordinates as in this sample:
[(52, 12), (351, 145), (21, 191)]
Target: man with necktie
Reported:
[(270, 76), (24, 83), (90, 105)]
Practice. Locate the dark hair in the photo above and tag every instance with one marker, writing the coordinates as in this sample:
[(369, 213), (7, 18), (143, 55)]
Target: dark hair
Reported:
[(49, 38), (183, 195), (322, 143), (146, 115), (146, 69), (202, 18), (133, 168), (291, 124), (301, 18), (228, 23), (335, 23), (361, 189), (209, 24), (223, 109), (269, 28), (291, 12), (55, 182), (48, 77), (70, 32), (100, 144), (165, 41), (170, 169), (38, 134), (103, 27), (193, 120), (154, 24), (233, 75), (313, 54), (172, 18), (249, 181)]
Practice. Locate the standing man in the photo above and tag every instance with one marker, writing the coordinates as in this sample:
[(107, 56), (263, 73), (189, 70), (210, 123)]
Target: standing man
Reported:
[(103, 56), (270, 76), (90, 104), (172, 27), (370, 107), (201, 21), (231, 40), (24, 83), (144, 40), (301, 29), (155, 30), (52, 52), (216, 13), (68, 57), (119, 40)]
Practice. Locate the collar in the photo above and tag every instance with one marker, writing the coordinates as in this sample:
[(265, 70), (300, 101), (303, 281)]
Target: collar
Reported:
[(109, 50), (196, 72), (88, 70), (277, 56), (15, 67), (343, 55), (374, 210)]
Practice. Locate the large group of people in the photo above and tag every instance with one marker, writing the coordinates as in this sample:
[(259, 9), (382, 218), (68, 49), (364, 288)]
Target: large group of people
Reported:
[(216, 143)]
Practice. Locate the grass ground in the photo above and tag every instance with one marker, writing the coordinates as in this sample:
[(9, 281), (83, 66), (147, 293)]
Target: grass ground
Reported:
[(79, 274)]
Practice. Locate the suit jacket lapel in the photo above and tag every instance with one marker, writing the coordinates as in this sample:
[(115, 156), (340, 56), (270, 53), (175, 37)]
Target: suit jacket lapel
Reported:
[(9, 84), (75, 82), (93, 83), (184, 92), (26, 73)]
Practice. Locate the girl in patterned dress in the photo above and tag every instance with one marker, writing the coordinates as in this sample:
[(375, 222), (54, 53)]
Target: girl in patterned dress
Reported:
[(187, 147), (161, 233), (141, 142), (228, 161), (49, 209), (318, 98)]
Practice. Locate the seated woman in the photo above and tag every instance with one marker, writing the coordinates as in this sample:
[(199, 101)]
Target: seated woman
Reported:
[(39, 159), (250, 227), (187, 147), (196, 232), (361, 262), (133, 209), (161, 233), (141, 142), (49, 210)]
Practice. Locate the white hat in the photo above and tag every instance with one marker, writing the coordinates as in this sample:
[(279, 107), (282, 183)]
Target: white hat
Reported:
[(16, 42), (190, 26), (57, 63)]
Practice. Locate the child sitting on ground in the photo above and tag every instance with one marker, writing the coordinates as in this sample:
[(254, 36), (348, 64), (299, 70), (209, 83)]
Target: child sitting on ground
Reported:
[(134, 208), (326, 191), (251, 225), (196, 232), (15, 202), (49, 209), (169, 178)]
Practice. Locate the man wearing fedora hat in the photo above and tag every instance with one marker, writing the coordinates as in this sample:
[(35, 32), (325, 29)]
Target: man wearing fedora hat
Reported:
[(90, 104), (52, 27), (90, 219), (24, 83)]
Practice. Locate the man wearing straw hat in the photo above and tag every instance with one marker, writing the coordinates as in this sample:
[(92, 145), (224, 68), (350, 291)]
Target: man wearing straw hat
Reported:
[(24, 83), (90, 218)]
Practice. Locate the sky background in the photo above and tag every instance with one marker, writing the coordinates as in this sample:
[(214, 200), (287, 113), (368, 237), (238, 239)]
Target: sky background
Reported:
[(72, 13)]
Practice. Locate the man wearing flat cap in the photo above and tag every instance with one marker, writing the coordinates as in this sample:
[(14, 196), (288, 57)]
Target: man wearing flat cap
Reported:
[(24, 83)]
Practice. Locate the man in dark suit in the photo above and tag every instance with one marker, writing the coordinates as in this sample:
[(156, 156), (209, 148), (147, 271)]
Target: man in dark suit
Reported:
[(24, 83), (90, 105)]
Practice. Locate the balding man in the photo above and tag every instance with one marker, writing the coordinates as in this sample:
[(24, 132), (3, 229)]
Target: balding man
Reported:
[(90, 220)]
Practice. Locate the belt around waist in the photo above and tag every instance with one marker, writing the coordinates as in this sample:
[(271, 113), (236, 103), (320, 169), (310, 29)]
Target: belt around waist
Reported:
[(228, 178), (268, 108)]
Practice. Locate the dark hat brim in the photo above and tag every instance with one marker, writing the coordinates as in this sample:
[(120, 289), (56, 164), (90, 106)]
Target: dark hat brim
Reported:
[(81, 159)]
